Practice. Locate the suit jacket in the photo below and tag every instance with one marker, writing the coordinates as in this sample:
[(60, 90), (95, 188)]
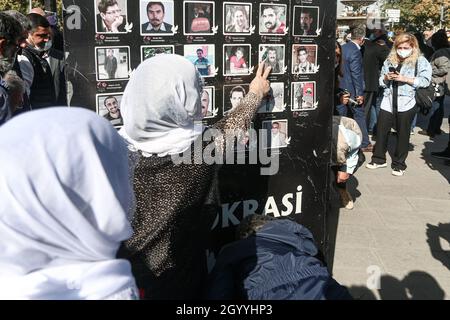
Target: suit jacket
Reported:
[(166, 25), (374, 56), (352, 67), (101, 28), (57, 65)]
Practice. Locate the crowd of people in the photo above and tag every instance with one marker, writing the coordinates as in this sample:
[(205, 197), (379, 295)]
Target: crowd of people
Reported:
[(378, 79), (135, 235)]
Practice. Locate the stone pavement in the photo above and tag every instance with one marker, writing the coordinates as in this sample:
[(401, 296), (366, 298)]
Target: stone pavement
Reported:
[(399, 228)]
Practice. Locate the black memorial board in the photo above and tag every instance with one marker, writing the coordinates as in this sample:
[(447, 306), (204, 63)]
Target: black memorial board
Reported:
[(234, 36)]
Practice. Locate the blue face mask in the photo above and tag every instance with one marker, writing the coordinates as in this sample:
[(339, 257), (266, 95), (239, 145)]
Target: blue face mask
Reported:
[(372, 37)]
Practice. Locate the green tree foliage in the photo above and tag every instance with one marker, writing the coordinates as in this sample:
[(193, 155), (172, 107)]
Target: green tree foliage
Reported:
[(24, 5), (419, 14)]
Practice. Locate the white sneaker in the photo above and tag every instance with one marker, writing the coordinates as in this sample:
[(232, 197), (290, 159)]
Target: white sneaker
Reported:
[(398, 172), (373, 165), (346, 199)]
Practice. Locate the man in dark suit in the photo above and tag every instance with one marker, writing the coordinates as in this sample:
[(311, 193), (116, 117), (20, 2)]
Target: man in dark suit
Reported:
[(155, 13), (110, 18), (42, 66), (375, 53), (353, 82)]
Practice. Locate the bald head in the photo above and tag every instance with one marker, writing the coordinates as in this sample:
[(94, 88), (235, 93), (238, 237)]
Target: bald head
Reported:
[(38, 11)]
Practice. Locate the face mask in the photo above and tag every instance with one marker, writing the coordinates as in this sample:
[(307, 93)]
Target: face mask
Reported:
[(404, 53), (47, 46), (372, 37)]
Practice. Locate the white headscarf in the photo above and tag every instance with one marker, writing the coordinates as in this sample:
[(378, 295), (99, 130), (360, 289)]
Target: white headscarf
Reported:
[(64, 197), (161, 104)]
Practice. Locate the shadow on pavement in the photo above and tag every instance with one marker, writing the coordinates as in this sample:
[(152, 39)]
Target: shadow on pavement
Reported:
[(435, 235), (439, 144), (417, 285)]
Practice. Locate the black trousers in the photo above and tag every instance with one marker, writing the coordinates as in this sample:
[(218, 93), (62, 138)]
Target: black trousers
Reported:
[(434, 126), (385, 123)]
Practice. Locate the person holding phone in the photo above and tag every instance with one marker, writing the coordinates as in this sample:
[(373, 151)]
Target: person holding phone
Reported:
[(398, 107)]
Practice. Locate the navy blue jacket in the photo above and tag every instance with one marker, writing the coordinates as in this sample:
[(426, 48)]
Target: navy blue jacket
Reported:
[(277, 263), (352, 67)]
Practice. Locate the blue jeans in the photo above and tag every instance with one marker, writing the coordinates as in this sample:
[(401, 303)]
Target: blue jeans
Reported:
[(374, 113), (414, 122)]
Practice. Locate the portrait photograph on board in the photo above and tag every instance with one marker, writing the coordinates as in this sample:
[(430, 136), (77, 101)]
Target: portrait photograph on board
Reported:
[(110, 16), (304, 58), (203, 58), (232, 96), (237, 59), (112, 63), (151, 51), (157, 18), (108, 107), (276, 134), (208, 102), (237, 18), (274, 101), (199, 18), (272, 19), (274, 56), (303, 96), (306, 21)]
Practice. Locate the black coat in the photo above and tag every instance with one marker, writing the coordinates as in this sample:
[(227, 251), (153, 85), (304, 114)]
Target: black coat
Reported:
[(374, 56)]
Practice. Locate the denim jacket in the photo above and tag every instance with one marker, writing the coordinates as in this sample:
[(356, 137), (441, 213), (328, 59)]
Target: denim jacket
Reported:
[(406, 92)]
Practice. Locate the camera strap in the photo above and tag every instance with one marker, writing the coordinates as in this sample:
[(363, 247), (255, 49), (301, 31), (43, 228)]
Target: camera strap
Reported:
[(395, 100)]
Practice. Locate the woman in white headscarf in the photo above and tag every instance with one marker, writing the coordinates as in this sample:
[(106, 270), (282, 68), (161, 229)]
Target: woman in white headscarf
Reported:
[(160, 107), (65, 201)]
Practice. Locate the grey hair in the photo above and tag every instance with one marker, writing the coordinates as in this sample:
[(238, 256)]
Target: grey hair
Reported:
[(358, 32)]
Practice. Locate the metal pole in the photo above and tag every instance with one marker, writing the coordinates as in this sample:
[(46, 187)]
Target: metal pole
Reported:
[(50, 5), (30, 5), (442, 16)]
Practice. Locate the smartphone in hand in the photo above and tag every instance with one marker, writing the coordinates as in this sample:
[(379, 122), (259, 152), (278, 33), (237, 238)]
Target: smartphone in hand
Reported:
[(392, 69)]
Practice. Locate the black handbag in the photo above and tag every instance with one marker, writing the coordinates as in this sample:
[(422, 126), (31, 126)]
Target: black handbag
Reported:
[(425, 97)]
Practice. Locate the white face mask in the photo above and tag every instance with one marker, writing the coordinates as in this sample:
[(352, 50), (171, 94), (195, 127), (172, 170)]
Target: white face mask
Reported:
[(404, 53), (47, 46)]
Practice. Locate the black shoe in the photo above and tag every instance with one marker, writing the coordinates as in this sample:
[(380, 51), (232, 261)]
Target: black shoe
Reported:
[(426, 133), (442, 155)]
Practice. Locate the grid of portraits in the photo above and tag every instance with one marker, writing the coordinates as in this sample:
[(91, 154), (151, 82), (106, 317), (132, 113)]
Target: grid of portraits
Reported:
[(199, 18), (224, 45)]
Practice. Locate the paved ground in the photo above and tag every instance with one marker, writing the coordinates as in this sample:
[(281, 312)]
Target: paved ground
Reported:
[(400, 228)]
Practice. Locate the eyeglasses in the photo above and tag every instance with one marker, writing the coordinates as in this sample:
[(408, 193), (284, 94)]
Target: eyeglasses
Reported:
[(114, 12)]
